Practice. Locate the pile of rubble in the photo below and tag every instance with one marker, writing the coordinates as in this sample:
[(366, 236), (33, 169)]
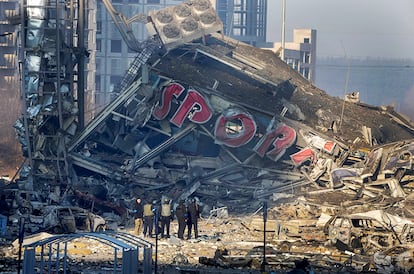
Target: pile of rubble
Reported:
[(294, 230), (235, 126)]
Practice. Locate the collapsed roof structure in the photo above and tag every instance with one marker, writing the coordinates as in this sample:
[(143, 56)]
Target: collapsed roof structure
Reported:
[(199, 113)]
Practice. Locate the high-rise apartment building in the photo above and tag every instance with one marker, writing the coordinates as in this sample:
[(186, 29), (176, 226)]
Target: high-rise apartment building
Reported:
[(10, 155), (300, 54), (244, 20), (7, 42)]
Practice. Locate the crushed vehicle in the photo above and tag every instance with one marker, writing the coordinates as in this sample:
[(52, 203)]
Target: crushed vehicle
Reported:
[(369, 231), (41, 216), (70, 219), (24, 201)]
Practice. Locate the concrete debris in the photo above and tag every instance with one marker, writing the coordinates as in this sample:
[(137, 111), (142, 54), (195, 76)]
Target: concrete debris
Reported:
[(229, 245), (352, 97), (231, 125)]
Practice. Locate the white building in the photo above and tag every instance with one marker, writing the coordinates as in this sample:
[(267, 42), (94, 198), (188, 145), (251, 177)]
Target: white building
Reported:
[(301, 53)]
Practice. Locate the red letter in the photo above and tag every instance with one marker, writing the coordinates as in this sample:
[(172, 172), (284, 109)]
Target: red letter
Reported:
[(241, 135), (285, 137), (194, 107), (329, 147), (161, 111), (302, 156)]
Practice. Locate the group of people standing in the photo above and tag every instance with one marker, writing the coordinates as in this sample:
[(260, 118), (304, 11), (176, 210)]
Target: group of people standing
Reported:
[(152, 214)]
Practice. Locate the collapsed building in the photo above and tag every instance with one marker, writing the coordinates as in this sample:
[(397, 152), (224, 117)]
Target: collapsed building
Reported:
[(200, 114)]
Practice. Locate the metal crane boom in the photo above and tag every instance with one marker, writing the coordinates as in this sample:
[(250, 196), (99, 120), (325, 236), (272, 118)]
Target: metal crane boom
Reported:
[(124, 25)]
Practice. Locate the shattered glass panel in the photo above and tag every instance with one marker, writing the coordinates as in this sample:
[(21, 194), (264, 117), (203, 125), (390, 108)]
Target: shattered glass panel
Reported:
[(33, 62), (35, 32), (33, 111), (35, 9), (25, 171), (32, 84), (64, 88)]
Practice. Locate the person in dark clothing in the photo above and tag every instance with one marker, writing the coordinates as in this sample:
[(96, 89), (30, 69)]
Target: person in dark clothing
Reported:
[(166, 214), (157, 219), (138, 215), (4, 214), (193, 215), (148, 219), (180, 213), (302, 267)]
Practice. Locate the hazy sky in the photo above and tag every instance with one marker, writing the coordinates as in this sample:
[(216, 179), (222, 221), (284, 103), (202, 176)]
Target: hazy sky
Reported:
[(376, 28)]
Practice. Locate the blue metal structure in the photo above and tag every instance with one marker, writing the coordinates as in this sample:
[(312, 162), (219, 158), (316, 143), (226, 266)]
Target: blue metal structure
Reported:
[(46, 254)]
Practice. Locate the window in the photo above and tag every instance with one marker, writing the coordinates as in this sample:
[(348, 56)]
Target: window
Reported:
[(99, 27), (115, 80), (238, 3), (98, 65), (98, 83), (237, 19), (116, 65), (98, 44), (3, 40), (306, 40), (236, 31), (292, 62), (153, 1), (222, 5), (116, 45), (98, 9), (113, 32), (307, 58), (306, 73)]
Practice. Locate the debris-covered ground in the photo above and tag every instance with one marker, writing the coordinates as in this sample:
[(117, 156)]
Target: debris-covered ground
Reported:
[(295, 229), (235, 127)]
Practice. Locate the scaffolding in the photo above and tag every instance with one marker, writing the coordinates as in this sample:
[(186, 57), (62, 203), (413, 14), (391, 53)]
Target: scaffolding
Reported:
[(52, 56)]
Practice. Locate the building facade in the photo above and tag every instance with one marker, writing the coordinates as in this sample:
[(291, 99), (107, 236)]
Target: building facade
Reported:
[(112, 54), (10, 153), (300, 54), (7, 42), (244, 20), (54, 45)]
